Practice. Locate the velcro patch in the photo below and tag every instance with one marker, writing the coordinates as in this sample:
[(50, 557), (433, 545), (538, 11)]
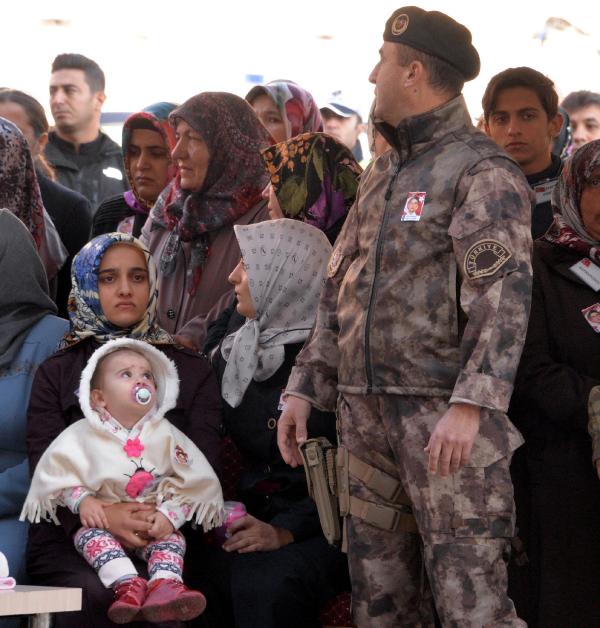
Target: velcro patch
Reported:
[(335, 261), (485, 258)]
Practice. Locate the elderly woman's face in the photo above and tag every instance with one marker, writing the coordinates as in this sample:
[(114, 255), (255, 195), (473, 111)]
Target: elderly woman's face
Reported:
[(123, 285), (589, 205), (191, 156)]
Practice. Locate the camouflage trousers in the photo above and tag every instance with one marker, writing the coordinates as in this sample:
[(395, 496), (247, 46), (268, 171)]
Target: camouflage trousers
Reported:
[(465, 521)]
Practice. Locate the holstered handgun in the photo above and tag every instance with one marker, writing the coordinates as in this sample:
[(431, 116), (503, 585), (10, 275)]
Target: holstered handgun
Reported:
[(319, 457)]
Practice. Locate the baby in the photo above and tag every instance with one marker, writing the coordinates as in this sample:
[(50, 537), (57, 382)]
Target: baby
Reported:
[(125, 450)]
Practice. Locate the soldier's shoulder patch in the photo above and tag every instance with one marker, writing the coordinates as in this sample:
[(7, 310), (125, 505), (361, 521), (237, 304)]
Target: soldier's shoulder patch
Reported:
[(485, 258), (335, 261)]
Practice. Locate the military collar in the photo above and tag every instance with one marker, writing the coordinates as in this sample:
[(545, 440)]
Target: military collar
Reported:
[(415, 134)]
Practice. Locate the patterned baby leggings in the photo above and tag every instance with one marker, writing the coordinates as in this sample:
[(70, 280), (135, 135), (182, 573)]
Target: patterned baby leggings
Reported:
[(110, 561)]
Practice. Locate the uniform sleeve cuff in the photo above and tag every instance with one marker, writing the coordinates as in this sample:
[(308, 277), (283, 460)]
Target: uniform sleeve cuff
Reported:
[(482, 390), (313, 386)]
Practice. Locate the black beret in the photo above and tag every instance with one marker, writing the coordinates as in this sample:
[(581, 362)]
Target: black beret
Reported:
[(437, 35)]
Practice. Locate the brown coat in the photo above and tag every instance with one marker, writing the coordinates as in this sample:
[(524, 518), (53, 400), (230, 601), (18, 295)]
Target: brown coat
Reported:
[(189, 315)]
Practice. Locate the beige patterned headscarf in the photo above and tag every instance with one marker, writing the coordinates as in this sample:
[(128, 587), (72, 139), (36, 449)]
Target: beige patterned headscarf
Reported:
[(286, 262)]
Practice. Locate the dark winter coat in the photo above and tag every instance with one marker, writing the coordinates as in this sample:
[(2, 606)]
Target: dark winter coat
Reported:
[(111, 212), (96, 170), (72, 217), (51, 557), (542, 183), (556, 486), (272, 491)]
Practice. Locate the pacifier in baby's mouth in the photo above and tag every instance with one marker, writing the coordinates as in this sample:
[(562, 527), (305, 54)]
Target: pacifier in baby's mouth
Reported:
[(141, 394)]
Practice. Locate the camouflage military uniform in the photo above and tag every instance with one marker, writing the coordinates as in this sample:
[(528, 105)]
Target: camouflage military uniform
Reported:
[(416, 315)]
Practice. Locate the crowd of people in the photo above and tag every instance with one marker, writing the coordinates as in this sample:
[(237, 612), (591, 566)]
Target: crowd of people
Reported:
[(238, 276)]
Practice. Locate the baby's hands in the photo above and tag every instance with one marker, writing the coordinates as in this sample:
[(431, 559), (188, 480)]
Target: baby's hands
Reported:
[(91, 513), (161, 526)]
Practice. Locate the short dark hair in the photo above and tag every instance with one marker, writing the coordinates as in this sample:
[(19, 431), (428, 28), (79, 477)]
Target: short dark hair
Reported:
[(521, 77), (35, 113), (580, 99), (440, 74), (94, 75)]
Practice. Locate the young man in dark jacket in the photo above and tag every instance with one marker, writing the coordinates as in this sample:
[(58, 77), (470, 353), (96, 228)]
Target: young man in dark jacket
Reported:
[(520, 107), (85, 159)]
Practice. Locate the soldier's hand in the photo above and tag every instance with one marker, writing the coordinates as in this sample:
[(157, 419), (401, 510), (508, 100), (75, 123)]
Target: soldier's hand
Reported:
[(291, 429), (450, 445)]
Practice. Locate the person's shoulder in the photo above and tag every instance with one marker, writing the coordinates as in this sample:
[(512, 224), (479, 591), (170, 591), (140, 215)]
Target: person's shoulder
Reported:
[(111, 204), (258, 213), (47, 333), (109, 146), (56, 194), (185, 359)]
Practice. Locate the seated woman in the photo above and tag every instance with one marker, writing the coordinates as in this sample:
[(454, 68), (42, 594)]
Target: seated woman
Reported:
[(559, 368), (285, 109), (190, 230), (282, 569), (148, 140), (314, 178), (29, 333), (20, 193), (70, 211), (114, 295)]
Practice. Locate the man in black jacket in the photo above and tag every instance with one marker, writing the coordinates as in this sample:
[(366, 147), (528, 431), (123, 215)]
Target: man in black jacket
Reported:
[(85, 159), (520, 107)]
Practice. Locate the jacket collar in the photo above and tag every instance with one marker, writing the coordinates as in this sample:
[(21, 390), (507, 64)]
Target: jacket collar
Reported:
[(416, 134)]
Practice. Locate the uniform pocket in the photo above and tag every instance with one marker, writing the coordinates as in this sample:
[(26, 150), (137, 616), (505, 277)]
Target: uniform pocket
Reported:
[(483, 501)]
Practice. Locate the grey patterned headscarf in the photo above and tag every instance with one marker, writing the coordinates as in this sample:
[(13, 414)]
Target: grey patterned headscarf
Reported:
[(285, 261)]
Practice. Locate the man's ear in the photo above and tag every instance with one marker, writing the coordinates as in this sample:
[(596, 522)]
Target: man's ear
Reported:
[(97, 399), (99, 97), (556, 125)]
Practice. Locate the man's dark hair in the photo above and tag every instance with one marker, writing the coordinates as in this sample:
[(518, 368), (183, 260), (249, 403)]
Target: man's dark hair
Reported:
[(521, 77), (440, 74), (94, 76), (580, 99)]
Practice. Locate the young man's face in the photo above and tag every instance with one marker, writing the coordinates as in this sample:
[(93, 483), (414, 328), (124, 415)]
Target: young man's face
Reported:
[(585, 124), (519, 124), (73, 104)]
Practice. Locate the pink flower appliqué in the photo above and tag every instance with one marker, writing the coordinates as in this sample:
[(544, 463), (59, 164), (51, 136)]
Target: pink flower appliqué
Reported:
[(133, 448)]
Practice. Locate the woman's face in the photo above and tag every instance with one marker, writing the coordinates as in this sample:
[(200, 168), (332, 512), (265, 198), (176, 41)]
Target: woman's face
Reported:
[(589, 205), (13, 112), (270, 116), (191, 156), (149, 159), (123, 285), (273, 204), (239, 279)]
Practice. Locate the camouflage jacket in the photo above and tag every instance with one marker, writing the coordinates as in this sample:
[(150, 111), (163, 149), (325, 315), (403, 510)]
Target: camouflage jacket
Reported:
[(436, 306)]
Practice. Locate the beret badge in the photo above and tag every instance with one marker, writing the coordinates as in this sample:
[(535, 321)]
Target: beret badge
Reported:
[(400, 24)]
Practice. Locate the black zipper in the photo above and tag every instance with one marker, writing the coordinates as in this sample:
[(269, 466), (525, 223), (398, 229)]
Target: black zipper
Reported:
[(378, 252)]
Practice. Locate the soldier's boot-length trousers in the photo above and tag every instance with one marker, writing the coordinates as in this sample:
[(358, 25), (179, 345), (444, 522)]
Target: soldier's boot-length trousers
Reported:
[(465, 521)]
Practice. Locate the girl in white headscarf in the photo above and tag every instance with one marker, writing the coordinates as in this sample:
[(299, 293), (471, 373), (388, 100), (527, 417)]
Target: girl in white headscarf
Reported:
[(278, 549)]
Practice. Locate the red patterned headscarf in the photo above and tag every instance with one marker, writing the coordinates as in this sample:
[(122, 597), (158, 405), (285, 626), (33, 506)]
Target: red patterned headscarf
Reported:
[(19, 189), (567, 229), (296, 105), (233, 184)]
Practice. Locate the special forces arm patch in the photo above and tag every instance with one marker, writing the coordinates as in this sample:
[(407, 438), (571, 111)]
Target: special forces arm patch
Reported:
[(485, 258)]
